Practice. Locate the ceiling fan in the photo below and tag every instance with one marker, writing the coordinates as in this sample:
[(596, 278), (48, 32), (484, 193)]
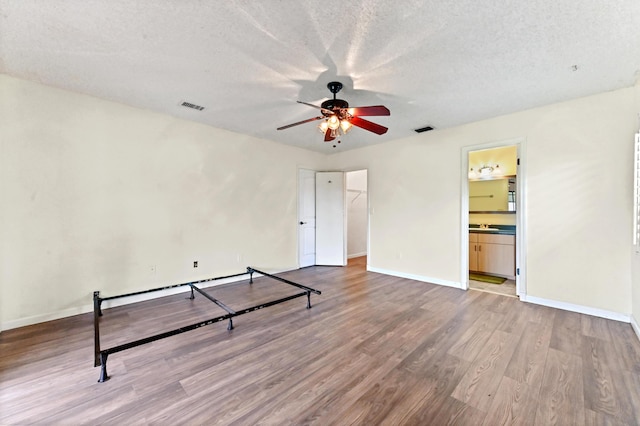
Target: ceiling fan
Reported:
[(338, 116)]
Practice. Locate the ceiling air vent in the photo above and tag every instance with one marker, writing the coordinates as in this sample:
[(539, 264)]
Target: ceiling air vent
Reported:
[(192, 106), (424, 129)]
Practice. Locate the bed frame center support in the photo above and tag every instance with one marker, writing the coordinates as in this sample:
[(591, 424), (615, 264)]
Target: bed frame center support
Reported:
[(217, 302)]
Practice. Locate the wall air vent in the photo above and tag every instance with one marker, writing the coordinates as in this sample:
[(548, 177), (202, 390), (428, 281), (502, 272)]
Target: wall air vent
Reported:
[(424, 129), (192, 106)]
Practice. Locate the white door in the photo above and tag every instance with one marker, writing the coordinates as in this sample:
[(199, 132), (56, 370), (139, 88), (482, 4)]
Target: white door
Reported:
[(330, 219), (306, 218)]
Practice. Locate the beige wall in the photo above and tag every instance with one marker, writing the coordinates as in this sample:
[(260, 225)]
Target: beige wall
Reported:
[(95, 195), (578, 199)]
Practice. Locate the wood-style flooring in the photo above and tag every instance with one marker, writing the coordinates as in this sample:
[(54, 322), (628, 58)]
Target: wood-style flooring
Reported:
[(373, 349)]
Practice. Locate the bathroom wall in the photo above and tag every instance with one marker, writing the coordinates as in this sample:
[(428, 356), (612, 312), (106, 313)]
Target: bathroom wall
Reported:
[(506, 158)]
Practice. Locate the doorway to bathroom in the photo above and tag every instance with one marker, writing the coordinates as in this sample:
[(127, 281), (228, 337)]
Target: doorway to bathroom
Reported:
[(492, 220)]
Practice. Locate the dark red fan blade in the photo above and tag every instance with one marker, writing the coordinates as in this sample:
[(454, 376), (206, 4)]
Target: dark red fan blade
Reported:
[(327, 136), (368, 125), (328, 111), (370, 110), (300, 122)]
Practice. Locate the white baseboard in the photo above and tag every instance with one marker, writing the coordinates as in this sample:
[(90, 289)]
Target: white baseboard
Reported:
[(35, 319), (616, 316), (438, 281), (77, 310), (635, 326), (351, 256)]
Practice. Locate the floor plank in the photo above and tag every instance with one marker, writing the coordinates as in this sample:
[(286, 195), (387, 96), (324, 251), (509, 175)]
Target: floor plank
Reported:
[(479, 385), (561, 398), (373, 349), (515, 403), (604, 380), (528, 361)]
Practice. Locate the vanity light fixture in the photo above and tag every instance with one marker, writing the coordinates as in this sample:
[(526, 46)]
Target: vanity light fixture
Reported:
[(485, 171)]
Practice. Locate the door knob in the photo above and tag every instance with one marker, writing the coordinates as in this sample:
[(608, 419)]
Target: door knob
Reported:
[(302, 223)]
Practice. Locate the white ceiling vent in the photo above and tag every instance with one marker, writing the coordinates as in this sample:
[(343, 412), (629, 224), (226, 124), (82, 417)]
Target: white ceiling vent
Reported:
[(192, 106)]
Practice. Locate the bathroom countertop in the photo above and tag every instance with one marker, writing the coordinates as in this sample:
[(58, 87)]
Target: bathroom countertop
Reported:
[(502, 229)]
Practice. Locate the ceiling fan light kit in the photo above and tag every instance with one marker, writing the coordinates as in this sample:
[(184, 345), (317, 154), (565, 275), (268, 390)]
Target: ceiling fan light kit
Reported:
[(337, 117)]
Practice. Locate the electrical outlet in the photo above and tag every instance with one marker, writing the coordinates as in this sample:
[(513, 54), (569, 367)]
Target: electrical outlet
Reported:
[(195, 263)]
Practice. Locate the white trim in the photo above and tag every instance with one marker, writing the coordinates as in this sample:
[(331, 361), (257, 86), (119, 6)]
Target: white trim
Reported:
[(415, 277), (464, 219), (616, 316), (351, 256), (78, 310), (23, 322), (635, 326), (636, 193), (521, 221)]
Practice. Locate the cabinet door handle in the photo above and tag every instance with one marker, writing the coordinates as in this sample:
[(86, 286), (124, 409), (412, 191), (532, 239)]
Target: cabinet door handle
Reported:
[(479, 248)]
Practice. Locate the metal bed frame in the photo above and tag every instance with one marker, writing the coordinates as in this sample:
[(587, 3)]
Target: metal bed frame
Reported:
[(101, 355)]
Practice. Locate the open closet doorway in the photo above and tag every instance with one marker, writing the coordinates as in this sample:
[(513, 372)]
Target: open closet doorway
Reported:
[(333, 218), (492, 209), (357, 205)]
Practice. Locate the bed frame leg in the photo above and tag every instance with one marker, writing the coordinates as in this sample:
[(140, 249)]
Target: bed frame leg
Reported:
[(192, 295), (103, 367), (97, 303), (308, 300), (230, 326)]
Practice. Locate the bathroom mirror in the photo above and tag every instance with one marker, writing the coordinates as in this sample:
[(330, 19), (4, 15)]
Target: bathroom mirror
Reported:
[(493, 195)]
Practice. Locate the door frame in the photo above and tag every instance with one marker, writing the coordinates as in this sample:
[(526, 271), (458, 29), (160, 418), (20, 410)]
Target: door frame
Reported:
[(521, 270)]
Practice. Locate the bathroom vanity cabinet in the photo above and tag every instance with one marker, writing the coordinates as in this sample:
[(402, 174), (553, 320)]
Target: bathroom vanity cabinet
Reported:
[(492, 254)]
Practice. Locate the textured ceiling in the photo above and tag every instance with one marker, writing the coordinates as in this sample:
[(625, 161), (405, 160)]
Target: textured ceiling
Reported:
[(431, 62)]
